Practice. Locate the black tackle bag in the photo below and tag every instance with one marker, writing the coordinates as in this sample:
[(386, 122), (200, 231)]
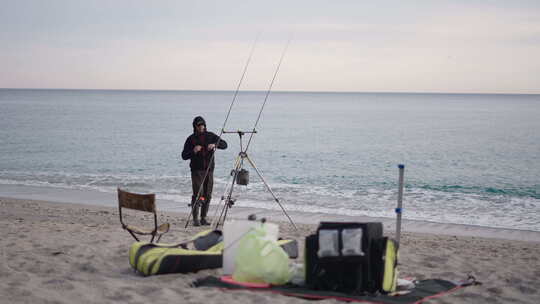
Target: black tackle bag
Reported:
[(344, 257)]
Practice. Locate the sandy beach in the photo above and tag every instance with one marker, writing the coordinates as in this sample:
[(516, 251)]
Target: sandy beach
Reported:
[(73, 253)]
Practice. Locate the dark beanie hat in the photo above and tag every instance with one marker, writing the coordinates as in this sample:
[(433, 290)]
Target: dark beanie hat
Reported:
[(197, 121)]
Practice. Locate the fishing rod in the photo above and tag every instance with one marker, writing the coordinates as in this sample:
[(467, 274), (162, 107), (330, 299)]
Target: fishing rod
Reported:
[(198, 197), (243, 155)]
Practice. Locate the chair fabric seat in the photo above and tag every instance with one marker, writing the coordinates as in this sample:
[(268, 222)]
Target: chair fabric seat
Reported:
[(145, 203)]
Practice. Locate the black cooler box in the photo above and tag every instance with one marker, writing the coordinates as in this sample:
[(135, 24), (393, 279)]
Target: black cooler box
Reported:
[(342, 257)]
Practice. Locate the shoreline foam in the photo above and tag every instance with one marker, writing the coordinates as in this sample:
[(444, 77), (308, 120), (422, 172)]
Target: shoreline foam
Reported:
[(85, 197)]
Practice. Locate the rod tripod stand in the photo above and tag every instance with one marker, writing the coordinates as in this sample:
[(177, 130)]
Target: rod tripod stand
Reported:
[(239, 171)]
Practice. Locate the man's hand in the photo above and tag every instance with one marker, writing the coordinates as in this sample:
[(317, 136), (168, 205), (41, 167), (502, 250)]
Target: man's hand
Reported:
[(197, 149), (211, 147)]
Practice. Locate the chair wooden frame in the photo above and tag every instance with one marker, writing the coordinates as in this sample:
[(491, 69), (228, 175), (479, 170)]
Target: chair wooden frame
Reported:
[(140, 202)]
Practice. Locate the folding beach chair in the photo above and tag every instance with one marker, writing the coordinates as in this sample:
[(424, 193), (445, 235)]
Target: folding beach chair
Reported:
[(140, 202)]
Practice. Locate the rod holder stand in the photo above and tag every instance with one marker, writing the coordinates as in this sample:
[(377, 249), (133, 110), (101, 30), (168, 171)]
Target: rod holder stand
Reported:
[(239, 132)]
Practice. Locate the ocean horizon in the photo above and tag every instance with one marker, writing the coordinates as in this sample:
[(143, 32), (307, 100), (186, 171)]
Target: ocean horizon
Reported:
[(273, 91)]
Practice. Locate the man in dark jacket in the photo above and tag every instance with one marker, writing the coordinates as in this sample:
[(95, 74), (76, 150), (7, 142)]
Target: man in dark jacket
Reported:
[(199, 148)]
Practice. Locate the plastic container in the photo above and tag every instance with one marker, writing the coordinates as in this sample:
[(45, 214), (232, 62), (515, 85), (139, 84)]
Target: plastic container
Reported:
[(233, 231)]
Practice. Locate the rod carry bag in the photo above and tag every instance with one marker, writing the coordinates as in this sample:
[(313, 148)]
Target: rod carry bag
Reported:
[(385, 260), (203, 251)]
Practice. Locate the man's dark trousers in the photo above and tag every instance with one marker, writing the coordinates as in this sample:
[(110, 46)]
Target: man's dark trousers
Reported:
[(206, 192)]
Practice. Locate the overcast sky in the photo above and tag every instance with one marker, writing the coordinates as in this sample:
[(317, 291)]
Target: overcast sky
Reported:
[(383, 46)]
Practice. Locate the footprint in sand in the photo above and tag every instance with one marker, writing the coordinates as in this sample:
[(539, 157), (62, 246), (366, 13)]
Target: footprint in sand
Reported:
[(526, 290), (87, 267), (434, 261), (120, 297), (146, 290), (495, 290)]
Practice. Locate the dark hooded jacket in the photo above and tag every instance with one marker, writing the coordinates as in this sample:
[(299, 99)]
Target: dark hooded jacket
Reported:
[(202, 159)]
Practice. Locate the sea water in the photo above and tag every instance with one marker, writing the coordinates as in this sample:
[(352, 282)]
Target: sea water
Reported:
[(469, 158)]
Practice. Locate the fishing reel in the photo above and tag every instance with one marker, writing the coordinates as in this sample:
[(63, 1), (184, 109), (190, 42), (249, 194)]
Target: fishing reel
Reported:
[(198, 202), (230, 202)]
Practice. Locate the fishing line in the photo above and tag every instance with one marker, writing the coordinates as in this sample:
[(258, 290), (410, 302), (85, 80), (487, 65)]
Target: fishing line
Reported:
[(268, 92), (239, 84)]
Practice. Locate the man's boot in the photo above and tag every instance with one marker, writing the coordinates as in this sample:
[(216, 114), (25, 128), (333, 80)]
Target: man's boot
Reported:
[(204, 211), (196, 222), (195, 211)]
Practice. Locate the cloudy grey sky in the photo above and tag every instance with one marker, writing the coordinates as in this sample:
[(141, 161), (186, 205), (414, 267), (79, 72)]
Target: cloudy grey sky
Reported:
[(384, 46)]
